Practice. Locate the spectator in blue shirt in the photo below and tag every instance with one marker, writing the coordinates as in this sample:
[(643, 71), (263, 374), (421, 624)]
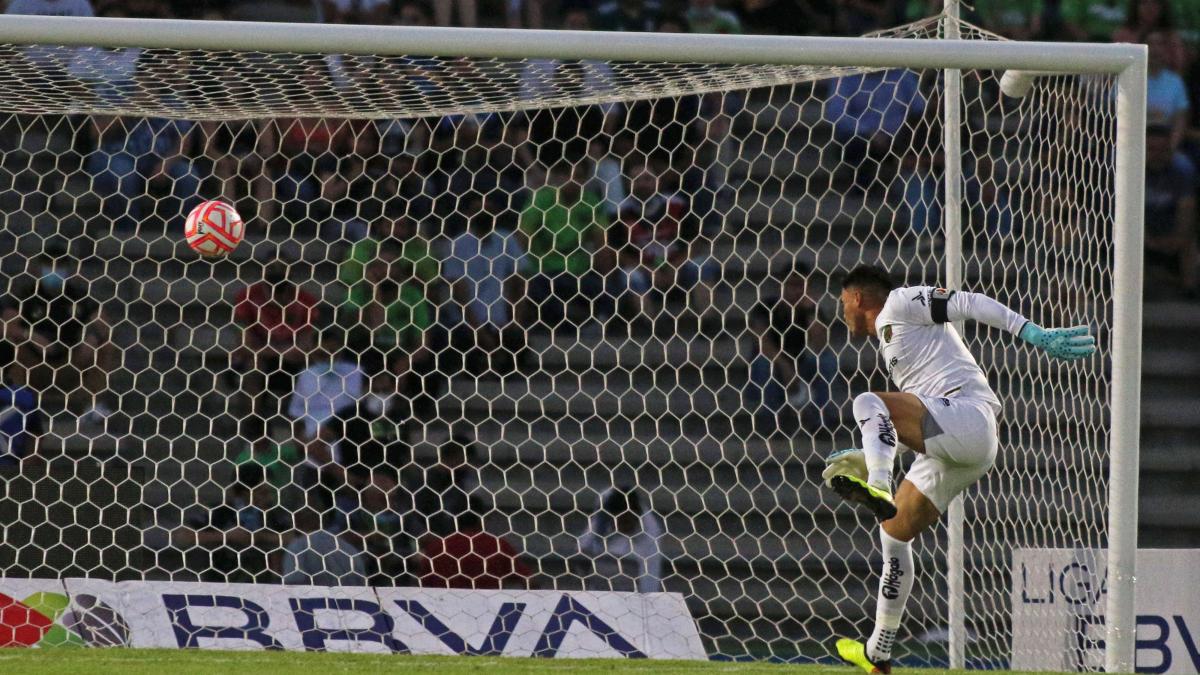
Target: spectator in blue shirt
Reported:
[(867, 112), (1171, 249), (21, 423), (1166, 94), (482, 271)]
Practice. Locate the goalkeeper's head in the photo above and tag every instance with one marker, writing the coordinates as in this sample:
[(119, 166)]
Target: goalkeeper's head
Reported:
[(864, 290)]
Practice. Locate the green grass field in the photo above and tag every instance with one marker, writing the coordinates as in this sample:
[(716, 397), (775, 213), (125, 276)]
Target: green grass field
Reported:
[(174, 662)]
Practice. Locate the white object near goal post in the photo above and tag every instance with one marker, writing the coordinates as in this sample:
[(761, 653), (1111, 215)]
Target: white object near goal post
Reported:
[(725, 63)]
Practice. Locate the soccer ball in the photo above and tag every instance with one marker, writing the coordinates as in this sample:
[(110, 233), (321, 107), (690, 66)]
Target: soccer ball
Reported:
[(213, 229)]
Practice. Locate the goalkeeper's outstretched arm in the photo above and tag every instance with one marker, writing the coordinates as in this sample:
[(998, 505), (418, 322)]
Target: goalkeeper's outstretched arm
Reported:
[(1062, 343)]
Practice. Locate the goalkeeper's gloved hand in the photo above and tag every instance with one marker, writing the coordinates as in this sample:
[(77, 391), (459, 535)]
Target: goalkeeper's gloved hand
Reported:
[(848, 462), (1061, 343)]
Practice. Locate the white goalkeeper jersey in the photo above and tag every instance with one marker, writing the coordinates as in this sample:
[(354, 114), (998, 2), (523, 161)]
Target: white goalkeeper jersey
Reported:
[(923, 352)]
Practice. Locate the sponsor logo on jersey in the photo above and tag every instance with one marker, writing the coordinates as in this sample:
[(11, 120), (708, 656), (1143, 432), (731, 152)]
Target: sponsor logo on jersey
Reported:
[(919, 297), (892, 364), (945, 402), (891, 579), (887, 431)]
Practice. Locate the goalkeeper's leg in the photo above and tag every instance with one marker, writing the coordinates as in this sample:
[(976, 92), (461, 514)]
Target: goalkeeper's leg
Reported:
[(914, 514), (956, 448), (883, 418)]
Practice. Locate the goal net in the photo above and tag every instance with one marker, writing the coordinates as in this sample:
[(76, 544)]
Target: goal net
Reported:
[(586, 307)]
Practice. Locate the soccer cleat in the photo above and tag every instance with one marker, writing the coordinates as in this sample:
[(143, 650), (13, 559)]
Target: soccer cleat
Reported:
[(854, 653), (857, 490)]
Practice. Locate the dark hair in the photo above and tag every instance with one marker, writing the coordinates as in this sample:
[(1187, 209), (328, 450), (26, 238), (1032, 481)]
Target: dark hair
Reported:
[(1158, 129), (623, 499), (794, 268), (250, 475), (869, 278), (1166, 19)]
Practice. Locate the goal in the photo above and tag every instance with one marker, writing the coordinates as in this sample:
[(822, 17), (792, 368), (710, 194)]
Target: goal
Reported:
[(577, 276)]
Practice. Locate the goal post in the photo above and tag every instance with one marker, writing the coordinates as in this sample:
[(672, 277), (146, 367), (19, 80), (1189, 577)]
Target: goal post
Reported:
[(587, 411)]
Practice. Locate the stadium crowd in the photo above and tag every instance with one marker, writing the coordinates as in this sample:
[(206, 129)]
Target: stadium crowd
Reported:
[(467, 235)]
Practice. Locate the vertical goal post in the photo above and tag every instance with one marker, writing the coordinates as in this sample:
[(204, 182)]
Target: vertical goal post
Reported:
[(1126, 62)]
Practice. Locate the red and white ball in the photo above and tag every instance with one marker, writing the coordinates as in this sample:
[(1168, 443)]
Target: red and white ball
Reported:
[(213, 229)]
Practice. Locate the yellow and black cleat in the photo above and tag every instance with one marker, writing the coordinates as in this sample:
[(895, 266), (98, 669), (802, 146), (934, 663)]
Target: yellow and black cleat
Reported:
[(854, 653), (857, 490)]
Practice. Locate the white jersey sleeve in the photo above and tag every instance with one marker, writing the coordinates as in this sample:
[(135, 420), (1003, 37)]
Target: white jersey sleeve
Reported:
[(928, 306), (923, 352)]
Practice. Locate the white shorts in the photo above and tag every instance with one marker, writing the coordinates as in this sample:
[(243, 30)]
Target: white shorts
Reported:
[(960, 446)]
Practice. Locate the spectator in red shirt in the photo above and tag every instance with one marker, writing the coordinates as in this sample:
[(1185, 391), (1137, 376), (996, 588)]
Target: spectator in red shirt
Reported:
[(471, 558), (278, 320)]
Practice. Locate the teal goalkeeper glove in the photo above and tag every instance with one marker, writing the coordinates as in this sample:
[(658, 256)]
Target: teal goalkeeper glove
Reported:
[(1061, 343)]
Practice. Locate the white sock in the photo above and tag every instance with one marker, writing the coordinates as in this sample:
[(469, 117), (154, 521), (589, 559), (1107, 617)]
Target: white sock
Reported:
[(878, 439), (895, 584)]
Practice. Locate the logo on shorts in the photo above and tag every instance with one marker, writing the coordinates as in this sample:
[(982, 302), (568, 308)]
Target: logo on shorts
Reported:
[(891, 579), (887, 431), (945, 402)]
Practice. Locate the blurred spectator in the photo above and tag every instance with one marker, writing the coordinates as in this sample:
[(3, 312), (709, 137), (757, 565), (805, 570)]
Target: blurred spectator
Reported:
[(51, 7), (238, 540), (638, 16), (468, 12), (703, 16), (652, 247), (553, 77), (624, 541), (394, 322), (607, 180), (65, 349), (332, 381), (413, 14), (917, 188), (530, 10), (280, 453), (1145, 17), (986, 191), (315, 556), (705, 175), (791, 364), (858, 17), (443, 492), (1014, 19), (357, 11), (790, 17), (482, 270), (372, 519), (1166, 94), (278, 330), (560, 229), (1097, 20), (393, 227), (867, 111), (1171, 249), (21, 420), (364, 437), (471, 558)]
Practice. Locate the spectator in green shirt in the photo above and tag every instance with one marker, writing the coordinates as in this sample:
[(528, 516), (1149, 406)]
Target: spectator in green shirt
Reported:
[(703, 16), (563, 231), (414, 249), (394, 317), (1096, 19)]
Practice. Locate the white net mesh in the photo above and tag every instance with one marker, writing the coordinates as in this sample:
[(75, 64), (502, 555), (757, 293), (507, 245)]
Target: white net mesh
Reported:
[(664, 344)]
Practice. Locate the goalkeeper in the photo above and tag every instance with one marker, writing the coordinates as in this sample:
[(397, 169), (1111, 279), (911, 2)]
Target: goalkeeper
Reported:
[(944, 411)]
